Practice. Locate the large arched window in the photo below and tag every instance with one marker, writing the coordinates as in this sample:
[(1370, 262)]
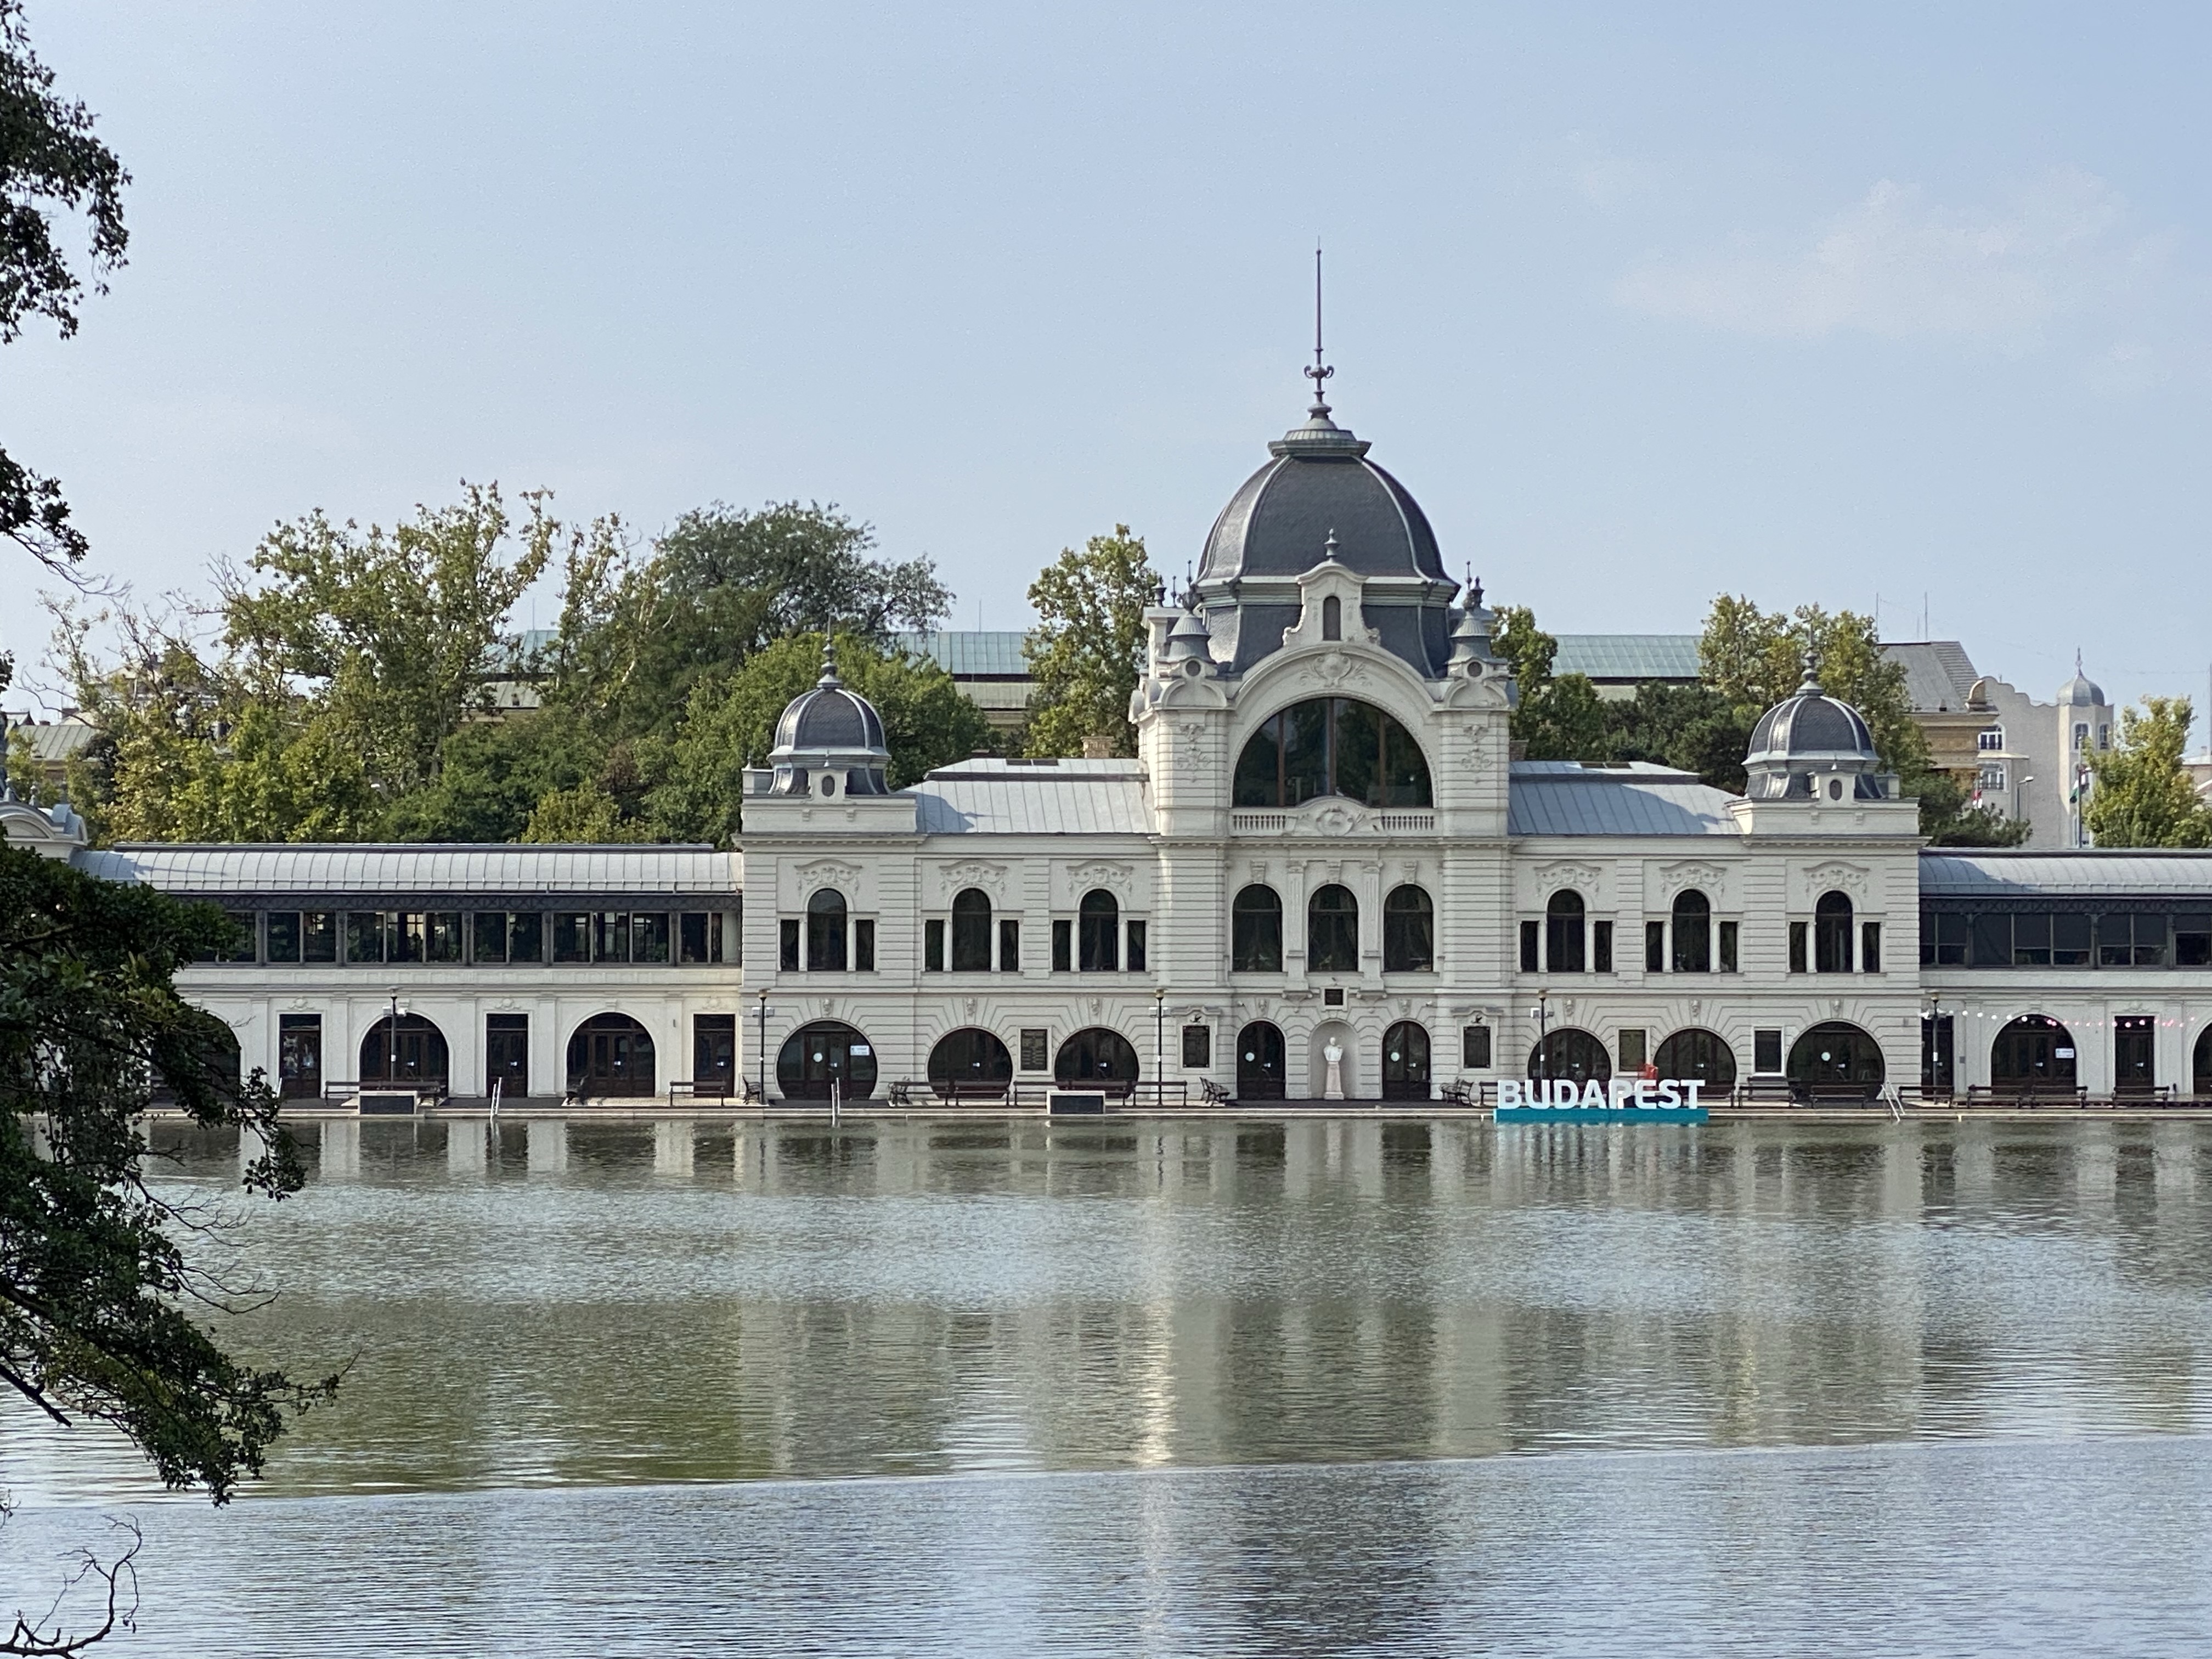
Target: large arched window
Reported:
[(1694, 1053), (1831, 934), (413, 1051), (1693, 932), (815, 1056), (1333, 931), (969, 1060), (971, 931), (1563, 932), (1409, 932), (1332, 746), (1098, 919), (1835, 1059), (825, 932), (2032, 1054), (1098, 1059), (611, 1054), (1567, 1053), (1255, 931)]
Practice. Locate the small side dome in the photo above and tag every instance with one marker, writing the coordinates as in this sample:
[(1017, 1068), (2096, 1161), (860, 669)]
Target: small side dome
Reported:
[(830, 740), (1813, 746), (2081, 691)]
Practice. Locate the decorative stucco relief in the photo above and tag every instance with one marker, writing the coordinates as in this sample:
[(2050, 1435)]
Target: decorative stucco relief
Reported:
[(973, 872)]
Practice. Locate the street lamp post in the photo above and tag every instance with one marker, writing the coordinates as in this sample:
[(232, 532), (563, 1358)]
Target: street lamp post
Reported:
[(761, 1045), (1543, 1047), (1159, 1044), (391, 1042)]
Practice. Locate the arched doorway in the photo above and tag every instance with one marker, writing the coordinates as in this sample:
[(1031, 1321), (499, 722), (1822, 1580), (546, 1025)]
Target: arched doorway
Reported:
[(969, 1062), (1569, 1052), (1405, 1062), (1692, 1054), (1096, 1058), (611, 1054), (815, 1056), (1835, 1059), (2200, 1066), (2032, 1055), (411, 1054), (1259, 1062)]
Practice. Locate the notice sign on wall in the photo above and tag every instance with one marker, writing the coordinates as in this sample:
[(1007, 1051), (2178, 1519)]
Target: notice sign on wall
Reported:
[(1620, 1100)]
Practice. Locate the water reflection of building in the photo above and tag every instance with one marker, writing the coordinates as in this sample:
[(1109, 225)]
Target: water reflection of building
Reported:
[(1322, 844)]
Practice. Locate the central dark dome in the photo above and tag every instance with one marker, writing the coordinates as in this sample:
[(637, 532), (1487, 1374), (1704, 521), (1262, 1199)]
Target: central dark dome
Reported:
[(1321, 481)]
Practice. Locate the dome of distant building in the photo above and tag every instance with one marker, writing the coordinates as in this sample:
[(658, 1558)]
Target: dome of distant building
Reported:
[(1807, 740), (2081, 691), (829, 740)]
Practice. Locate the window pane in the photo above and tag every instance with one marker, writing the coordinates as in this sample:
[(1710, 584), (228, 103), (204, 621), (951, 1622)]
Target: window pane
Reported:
[(2070, 941), (691, 937), (572, 937), (1727, 947), (610, 936), (444, 937), (1531, 933), (488, 930), (1796, 948), (1305, 752), (2031, 941), (1009, 946), (2115, 939), (318, 936), (1870, 947), (864, 946), (2192, 941), (933, 945), (364, 936), (1601, 947), (525, 936), (648, 936), (1406, 782), (1993, 941), (787, 945), (1136, 947), (1655, 947), (1063, 948), (2150, 941), (1257, 782), (283, 936), (1358, 746)]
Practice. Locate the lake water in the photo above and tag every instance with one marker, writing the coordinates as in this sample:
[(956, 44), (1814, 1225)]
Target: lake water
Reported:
[(1333, 1386)]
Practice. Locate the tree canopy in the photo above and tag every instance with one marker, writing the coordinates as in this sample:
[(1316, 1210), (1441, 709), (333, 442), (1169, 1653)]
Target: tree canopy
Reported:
[(2143, 796), (1087, 650), (53, 168)]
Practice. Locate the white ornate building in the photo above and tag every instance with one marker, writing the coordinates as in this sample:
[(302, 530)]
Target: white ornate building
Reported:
[(1321, 841)]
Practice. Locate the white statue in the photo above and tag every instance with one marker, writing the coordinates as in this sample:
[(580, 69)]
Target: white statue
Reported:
[(1333, 1089)]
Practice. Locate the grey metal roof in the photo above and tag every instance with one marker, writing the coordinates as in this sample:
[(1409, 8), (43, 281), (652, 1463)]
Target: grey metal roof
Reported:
[(1628, 656), (424, 868), (996, 653), (1938, 673), (1565, 797), (1946, 872), (53, 741), (1001, 798)]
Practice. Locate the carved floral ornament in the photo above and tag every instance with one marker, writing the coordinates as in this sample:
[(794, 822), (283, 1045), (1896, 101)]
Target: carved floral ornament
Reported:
[(1115, 877), (827, 873), (1850, 878), (1674, 878), (1581, 877), (975, 873)]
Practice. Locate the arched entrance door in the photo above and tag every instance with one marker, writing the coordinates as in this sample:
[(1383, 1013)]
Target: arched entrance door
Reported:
[(1568, 1053), (1405, 1062), (815, 1056), (969, 1062), (611, 1054), (1835, 1060), (2032, 1055), (411, 1054), (1692, 1054), (1098, 1059), (1259, 1062)]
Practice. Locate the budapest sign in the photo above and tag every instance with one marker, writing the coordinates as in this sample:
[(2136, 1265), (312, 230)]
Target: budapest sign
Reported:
[(1621, 1100)]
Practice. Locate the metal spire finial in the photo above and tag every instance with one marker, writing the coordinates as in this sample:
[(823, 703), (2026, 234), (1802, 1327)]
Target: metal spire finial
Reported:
[(829, 681), (1320, 371)]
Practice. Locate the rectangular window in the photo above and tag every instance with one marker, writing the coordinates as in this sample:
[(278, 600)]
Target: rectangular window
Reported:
[(610, 936), (2070, 941), (1797, 947), (441, 936), (1197, 1047), (1767, 1051), (488, 929), (1010, 946), (2031, 941), (572, 937), (1475, 1048), (1531, 932), (525, 936), (864, 945), (238, 944), (1633, 1048), (1601, 947), (648, 936), (1991, 780), (2127, 940), (283, 936), (1035, 1041), (699, 936), (2192, 941), (1728, 946), (2082, 734), (1063, 946), (2150, 941), (318, 936), (364, 931), (1136, 947), (1869, 947), (404, 935), (1992, 946), (1655, 947), (933, 945), (787, 945)]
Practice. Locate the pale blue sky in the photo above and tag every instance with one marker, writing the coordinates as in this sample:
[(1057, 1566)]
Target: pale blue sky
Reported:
[(1642, 302)]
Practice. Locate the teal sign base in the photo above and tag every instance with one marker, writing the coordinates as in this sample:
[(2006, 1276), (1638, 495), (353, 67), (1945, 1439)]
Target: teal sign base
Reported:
[(1600, 1115)]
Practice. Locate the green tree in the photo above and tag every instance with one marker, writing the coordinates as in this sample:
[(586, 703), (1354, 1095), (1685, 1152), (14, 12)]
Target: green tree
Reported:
[(104, 1290), (2143, 797), (1692, 728), (1087, 650), (587, 814), (637, 636), (1560, 718), (51, 167), (697, 789), (492, 773)]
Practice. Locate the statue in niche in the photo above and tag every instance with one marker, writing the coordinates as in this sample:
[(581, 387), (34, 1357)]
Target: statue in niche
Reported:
[(1332, 1086)]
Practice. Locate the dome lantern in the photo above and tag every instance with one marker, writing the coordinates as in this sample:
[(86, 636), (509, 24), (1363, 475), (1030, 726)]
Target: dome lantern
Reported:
[(1813, 747)]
